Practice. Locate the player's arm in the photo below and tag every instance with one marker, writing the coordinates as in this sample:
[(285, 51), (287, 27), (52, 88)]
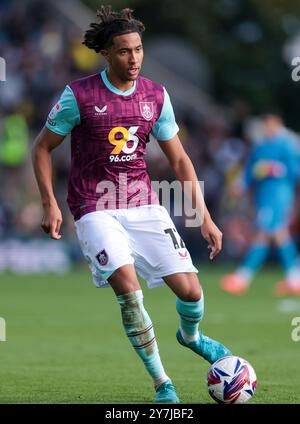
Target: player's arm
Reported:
[(165, 131), (63, 117), (45, 142), (185, 171)]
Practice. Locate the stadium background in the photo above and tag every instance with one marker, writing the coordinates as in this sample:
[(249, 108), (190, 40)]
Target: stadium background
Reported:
[(223, 63)]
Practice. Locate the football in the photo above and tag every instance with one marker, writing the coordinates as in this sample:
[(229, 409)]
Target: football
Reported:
[(231, 380)]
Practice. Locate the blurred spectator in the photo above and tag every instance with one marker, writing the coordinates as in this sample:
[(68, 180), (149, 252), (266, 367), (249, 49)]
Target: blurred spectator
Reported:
[(42, 54)]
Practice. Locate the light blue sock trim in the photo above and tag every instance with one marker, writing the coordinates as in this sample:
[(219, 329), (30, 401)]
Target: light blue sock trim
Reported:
[(191, 314)]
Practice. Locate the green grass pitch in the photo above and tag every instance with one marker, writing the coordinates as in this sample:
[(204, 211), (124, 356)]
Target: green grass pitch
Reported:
[(65, 342)]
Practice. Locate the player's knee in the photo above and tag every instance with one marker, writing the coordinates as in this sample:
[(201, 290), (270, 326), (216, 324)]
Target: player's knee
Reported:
[(262, 237), (191, 297), (281, 237), (195, 292), (191, 294), (124, 280), (190, 291)]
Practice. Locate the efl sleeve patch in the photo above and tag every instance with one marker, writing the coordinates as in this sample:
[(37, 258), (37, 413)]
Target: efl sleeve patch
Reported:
[(64, 115)]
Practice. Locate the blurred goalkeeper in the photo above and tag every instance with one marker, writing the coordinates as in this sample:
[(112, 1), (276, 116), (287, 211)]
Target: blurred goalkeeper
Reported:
[(272, 172)]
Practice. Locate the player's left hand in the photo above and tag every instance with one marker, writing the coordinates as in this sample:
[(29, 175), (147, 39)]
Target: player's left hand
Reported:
[(213, 235)]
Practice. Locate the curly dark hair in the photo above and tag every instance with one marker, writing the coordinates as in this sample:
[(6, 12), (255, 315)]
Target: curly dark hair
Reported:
[(100, 35)]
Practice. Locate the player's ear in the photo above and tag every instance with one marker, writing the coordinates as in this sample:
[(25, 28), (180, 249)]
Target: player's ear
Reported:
[(105, 53)]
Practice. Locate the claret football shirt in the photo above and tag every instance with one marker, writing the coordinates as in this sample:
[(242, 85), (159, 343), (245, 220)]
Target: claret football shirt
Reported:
[(109, 133)]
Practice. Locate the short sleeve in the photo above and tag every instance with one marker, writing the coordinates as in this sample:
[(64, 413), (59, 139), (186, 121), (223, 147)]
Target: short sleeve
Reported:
[(165, 127), (65, 115)]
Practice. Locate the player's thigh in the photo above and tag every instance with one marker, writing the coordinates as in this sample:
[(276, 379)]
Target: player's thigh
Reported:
[(104, 244), (185, 285)]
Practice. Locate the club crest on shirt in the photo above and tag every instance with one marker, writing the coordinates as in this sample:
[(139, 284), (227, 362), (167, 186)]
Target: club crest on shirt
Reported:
[(147, 110), (102, 257)]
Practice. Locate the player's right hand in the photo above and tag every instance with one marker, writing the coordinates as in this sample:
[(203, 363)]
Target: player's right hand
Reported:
[(213, 236), (52, 221)]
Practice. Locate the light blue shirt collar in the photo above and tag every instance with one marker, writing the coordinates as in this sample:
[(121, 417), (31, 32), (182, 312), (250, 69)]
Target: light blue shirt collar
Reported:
[(114, 89)]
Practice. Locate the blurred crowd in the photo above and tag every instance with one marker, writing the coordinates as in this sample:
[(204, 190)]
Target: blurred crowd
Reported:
[(43, 52)]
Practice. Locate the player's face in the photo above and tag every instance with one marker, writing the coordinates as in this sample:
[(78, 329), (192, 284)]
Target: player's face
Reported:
[(125, 56), (271, 126)]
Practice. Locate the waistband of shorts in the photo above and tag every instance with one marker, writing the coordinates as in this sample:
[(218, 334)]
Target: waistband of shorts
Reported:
[(79, 213)]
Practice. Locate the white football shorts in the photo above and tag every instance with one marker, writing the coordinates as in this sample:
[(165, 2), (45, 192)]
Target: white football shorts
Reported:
[(144, 236)]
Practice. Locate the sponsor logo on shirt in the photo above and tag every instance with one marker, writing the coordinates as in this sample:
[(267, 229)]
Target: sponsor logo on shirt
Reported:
[(147, 110), (269, 169), (125, 141)]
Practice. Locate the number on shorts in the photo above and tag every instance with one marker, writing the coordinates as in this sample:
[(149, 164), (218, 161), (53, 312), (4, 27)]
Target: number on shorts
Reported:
[(176, 239)]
